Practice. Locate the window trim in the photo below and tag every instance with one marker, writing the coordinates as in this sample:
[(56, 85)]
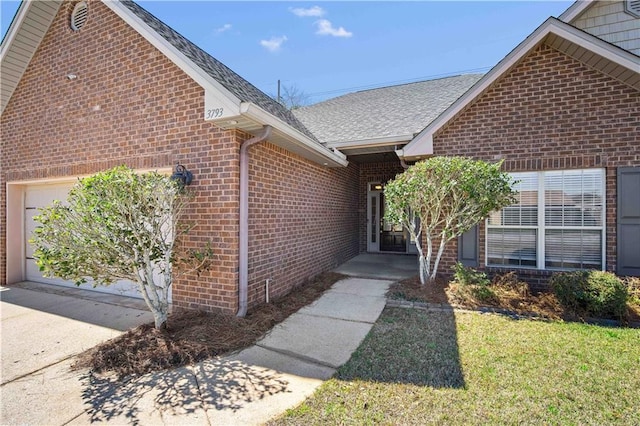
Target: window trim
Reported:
[(541, 227)]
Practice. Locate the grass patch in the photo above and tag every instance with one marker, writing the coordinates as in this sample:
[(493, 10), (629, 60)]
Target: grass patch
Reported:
[(193, 336), (421, 367)]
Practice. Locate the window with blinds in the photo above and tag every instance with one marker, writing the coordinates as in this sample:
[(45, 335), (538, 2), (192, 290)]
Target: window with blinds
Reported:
[(556, 223)]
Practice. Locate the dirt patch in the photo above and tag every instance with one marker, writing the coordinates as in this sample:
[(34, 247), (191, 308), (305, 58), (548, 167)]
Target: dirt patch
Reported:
[(192, 336)]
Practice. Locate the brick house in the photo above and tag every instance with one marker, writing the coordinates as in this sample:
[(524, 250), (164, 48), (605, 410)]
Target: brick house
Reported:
[(562, 111), (87, 85)]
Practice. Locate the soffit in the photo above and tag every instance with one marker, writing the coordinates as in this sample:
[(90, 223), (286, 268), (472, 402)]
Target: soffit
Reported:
[(18, 47)]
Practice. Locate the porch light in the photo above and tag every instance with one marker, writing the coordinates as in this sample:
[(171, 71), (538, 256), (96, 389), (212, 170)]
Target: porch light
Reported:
[(378, 187), (182, 176)]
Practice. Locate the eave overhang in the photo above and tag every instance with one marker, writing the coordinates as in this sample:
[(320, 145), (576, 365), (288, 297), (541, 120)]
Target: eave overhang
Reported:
[(25, 33), (584, 47), (225, 109), (220, 105)]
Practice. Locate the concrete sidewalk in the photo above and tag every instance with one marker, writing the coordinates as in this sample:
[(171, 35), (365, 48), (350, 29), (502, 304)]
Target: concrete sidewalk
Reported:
[(248, 387)]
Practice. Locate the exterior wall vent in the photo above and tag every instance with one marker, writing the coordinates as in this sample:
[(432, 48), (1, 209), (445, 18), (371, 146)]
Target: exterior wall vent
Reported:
[(79, 15), (632, 7)]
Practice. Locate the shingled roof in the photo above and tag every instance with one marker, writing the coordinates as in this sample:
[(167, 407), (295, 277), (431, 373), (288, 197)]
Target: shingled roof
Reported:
[(237, 85), (385, 112)]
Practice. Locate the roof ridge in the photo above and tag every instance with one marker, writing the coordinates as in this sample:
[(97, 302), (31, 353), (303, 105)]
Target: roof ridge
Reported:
[(414, 82), (387, 87)]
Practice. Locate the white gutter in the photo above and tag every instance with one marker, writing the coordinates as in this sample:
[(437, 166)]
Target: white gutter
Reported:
[(254, 112)]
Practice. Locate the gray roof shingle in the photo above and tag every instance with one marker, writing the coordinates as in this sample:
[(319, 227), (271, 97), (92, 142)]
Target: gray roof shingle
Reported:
[(386, 112), (237, 85)]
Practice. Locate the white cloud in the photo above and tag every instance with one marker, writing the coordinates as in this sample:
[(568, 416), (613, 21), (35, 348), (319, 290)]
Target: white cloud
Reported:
[(225, 27), (274, 43), (312, 11), (326, 28)]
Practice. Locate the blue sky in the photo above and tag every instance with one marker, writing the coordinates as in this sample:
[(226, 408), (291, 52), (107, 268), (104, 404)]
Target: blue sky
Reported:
[(329, 48)]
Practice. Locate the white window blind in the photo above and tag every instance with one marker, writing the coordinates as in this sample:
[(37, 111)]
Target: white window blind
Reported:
[(557, 222)]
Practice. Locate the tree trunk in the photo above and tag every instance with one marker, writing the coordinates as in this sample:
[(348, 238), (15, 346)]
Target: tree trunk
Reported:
[(159, 319), (438, 256), (423, 269)]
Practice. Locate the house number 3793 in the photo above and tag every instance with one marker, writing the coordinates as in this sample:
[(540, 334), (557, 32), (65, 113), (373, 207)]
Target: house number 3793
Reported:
[(214, 113)]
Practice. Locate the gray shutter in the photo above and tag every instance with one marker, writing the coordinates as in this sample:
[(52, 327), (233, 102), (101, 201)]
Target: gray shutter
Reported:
[(468, 247), (628, 232)]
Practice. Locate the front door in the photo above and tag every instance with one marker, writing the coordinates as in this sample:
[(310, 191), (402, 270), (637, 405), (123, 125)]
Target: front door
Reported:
[(392, 237), (382, 236), (373, 217)]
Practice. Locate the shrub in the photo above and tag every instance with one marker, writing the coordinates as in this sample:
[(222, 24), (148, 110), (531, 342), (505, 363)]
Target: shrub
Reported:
[(593, 293)]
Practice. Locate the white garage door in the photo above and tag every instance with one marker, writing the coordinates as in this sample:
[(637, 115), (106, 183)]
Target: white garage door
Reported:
[(38, 196)]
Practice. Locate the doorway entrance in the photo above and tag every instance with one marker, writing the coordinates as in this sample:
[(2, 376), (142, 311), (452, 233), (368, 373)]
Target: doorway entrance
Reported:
[(383, 236)]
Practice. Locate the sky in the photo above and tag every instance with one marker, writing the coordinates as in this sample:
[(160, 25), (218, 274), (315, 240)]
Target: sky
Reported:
[(328, 48)]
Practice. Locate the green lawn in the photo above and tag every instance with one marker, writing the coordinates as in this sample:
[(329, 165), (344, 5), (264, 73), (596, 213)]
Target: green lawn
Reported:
[(418, 367)]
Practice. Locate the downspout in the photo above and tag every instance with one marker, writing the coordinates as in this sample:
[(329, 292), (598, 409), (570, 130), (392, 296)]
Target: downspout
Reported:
[(243, 273), (401, 158)]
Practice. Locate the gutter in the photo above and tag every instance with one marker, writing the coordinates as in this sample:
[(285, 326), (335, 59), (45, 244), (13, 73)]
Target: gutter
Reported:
[(243, 273)]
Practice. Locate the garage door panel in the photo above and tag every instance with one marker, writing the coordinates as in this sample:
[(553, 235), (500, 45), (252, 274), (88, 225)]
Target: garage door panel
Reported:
[(40, 196)]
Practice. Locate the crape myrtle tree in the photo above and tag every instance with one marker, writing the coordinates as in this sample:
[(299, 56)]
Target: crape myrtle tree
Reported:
[(119, 225), (443, 197)]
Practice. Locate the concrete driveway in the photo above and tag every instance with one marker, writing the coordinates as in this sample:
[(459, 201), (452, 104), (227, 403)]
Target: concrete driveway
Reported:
[(42, 328), (42, 331)]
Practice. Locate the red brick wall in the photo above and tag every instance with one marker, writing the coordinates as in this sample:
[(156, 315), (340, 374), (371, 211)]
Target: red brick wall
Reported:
[(302, 219), (372, 172), (551, 112), (129, 105)]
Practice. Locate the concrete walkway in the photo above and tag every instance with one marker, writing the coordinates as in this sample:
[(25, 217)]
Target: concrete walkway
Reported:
[(248, 387), (384, 266)]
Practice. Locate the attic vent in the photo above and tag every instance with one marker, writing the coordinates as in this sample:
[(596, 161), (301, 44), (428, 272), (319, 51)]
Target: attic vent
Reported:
[(79, 16), (632, 7)]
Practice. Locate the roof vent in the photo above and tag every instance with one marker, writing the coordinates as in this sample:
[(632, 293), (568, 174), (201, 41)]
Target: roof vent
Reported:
[(79, 15), (632, 7)]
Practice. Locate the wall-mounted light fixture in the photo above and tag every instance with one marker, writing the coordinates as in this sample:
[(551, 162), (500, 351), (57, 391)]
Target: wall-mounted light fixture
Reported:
[(182, 176), (71, 76)]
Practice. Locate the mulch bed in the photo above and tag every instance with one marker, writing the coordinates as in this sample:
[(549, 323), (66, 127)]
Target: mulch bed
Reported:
[(511, 295), (193, 336)]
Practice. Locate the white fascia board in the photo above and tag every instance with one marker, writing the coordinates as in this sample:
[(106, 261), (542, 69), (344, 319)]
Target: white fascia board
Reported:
[(13, 29), (255, 113), (424, 148), (365, 143), (422, 144), (575, 10), (216, 95), (598, 46)]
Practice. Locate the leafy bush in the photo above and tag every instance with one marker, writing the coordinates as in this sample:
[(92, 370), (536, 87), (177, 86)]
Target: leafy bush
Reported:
[(594, 293)]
